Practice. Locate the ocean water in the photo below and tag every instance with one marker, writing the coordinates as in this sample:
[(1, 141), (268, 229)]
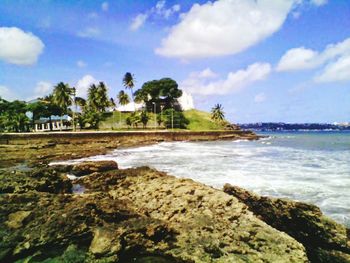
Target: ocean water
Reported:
[(306, 166)]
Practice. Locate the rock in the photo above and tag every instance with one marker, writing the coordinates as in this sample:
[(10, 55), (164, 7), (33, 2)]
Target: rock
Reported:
[(16, 219), (211, 226), (69, 228), (305, 222), (41, 179), (85, 168), (104, 242)]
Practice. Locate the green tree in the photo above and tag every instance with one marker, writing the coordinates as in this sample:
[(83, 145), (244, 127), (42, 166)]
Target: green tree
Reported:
[(97, 97), (144, 118), (13, 117), (133, 120), (163, 92), (174, 119), (217, 113), (123, 98), (129, 83), (62, 98)]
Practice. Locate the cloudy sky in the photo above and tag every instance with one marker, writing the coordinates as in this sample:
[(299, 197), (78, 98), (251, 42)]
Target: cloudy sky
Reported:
[(263, 60)]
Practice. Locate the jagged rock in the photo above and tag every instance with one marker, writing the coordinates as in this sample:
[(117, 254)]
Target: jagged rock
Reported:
[(42, 179), (323, 238), (211, 226)]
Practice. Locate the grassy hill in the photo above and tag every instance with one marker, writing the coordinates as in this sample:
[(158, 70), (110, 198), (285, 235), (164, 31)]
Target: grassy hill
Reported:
[(199, 121)]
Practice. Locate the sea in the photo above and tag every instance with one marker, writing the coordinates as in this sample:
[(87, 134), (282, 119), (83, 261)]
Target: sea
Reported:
[(312, 167)]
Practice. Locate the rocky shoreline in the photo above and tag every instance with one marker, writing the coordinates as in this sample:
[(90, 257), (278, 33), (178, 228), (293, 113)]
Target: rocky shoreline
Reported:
[(30, 149), (142, 215), (107, 214)]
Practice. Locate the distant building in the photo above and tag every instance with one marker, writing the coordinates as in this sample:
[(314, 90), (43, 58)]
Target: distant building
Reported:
[(186, 101), (43, 124), (130, 107)]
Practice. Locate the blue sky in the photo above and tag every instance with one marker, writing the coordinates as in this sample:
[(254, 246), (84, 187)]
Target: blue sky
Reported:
[(263, 60)]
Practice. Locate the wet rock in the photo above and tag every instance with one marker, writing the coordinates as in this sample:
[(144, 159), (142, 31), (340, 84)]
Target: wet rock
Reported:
[(321, 236)]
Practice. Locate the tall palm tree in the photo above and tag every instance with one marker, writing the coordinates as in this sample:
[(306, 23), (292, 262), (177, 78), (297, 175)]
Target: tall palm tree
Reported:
[(129, 83), (93, 97), (217, 113), (62, 98), (102, 98), (123, 99)]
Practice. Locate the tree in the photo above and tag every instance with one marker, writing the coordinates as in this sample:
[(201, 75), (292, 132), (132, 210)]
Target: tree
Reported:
[(217, 113), (175, 119), (133, 120), (13, 117), (62, 98), (97, 97), (37, 109), (163, 92), (123, 98), (129, 83), (144, 118)]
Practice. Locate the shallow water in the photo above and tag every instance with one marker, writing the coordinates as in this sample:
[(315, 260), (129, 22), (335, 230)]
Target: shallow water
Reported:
[(311, 167)]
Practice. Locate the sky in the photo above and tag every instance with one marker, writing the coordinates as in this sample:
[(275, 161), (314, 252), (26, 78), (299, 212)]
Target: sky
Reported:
[(263, 60)]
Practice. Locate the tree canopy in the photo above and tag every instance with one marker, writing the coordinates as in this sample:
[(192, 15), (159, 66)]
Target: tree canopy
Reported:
[(163, 92)]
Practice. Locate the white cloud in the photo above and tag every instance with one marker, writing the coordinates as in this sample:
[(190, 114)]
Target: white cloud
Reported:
[(261, 97), (6, 93), (319, 2), (202, 82), (302, 58), (337, 71), (105, 6), (81, 64), (19, 47), (297, 59), (224, 27), (138, 21), (83, 85), (159, 10), (89, 32)]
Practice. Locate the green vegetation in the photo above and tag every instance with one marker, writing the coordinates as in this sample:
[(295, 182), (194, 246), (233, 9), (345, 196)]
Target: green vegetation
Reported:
[(217, 113), (193, 120), (201, 120), (161, 109)]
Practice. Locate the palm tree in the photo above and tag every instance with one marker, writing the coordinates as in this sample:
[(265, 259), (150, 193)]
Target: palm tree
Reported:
[(93, 97), (102, 97), (62, 98), (217, 113), (129, 83), (123, 98)]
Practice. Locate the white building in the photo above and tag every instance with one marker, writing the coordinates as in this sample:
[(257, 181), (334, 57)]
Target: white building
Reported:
[(43, 124)]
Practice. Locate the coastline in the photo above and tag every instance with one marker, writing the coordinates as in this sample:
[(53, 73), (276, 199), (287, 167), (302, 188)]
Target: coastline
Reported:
[(108, 214), (32, 148)]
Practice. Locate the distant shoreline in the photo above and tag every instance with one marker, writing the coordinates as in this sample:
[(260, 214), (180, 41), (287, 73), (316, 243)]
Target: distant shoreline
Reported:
[(32, 148)]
